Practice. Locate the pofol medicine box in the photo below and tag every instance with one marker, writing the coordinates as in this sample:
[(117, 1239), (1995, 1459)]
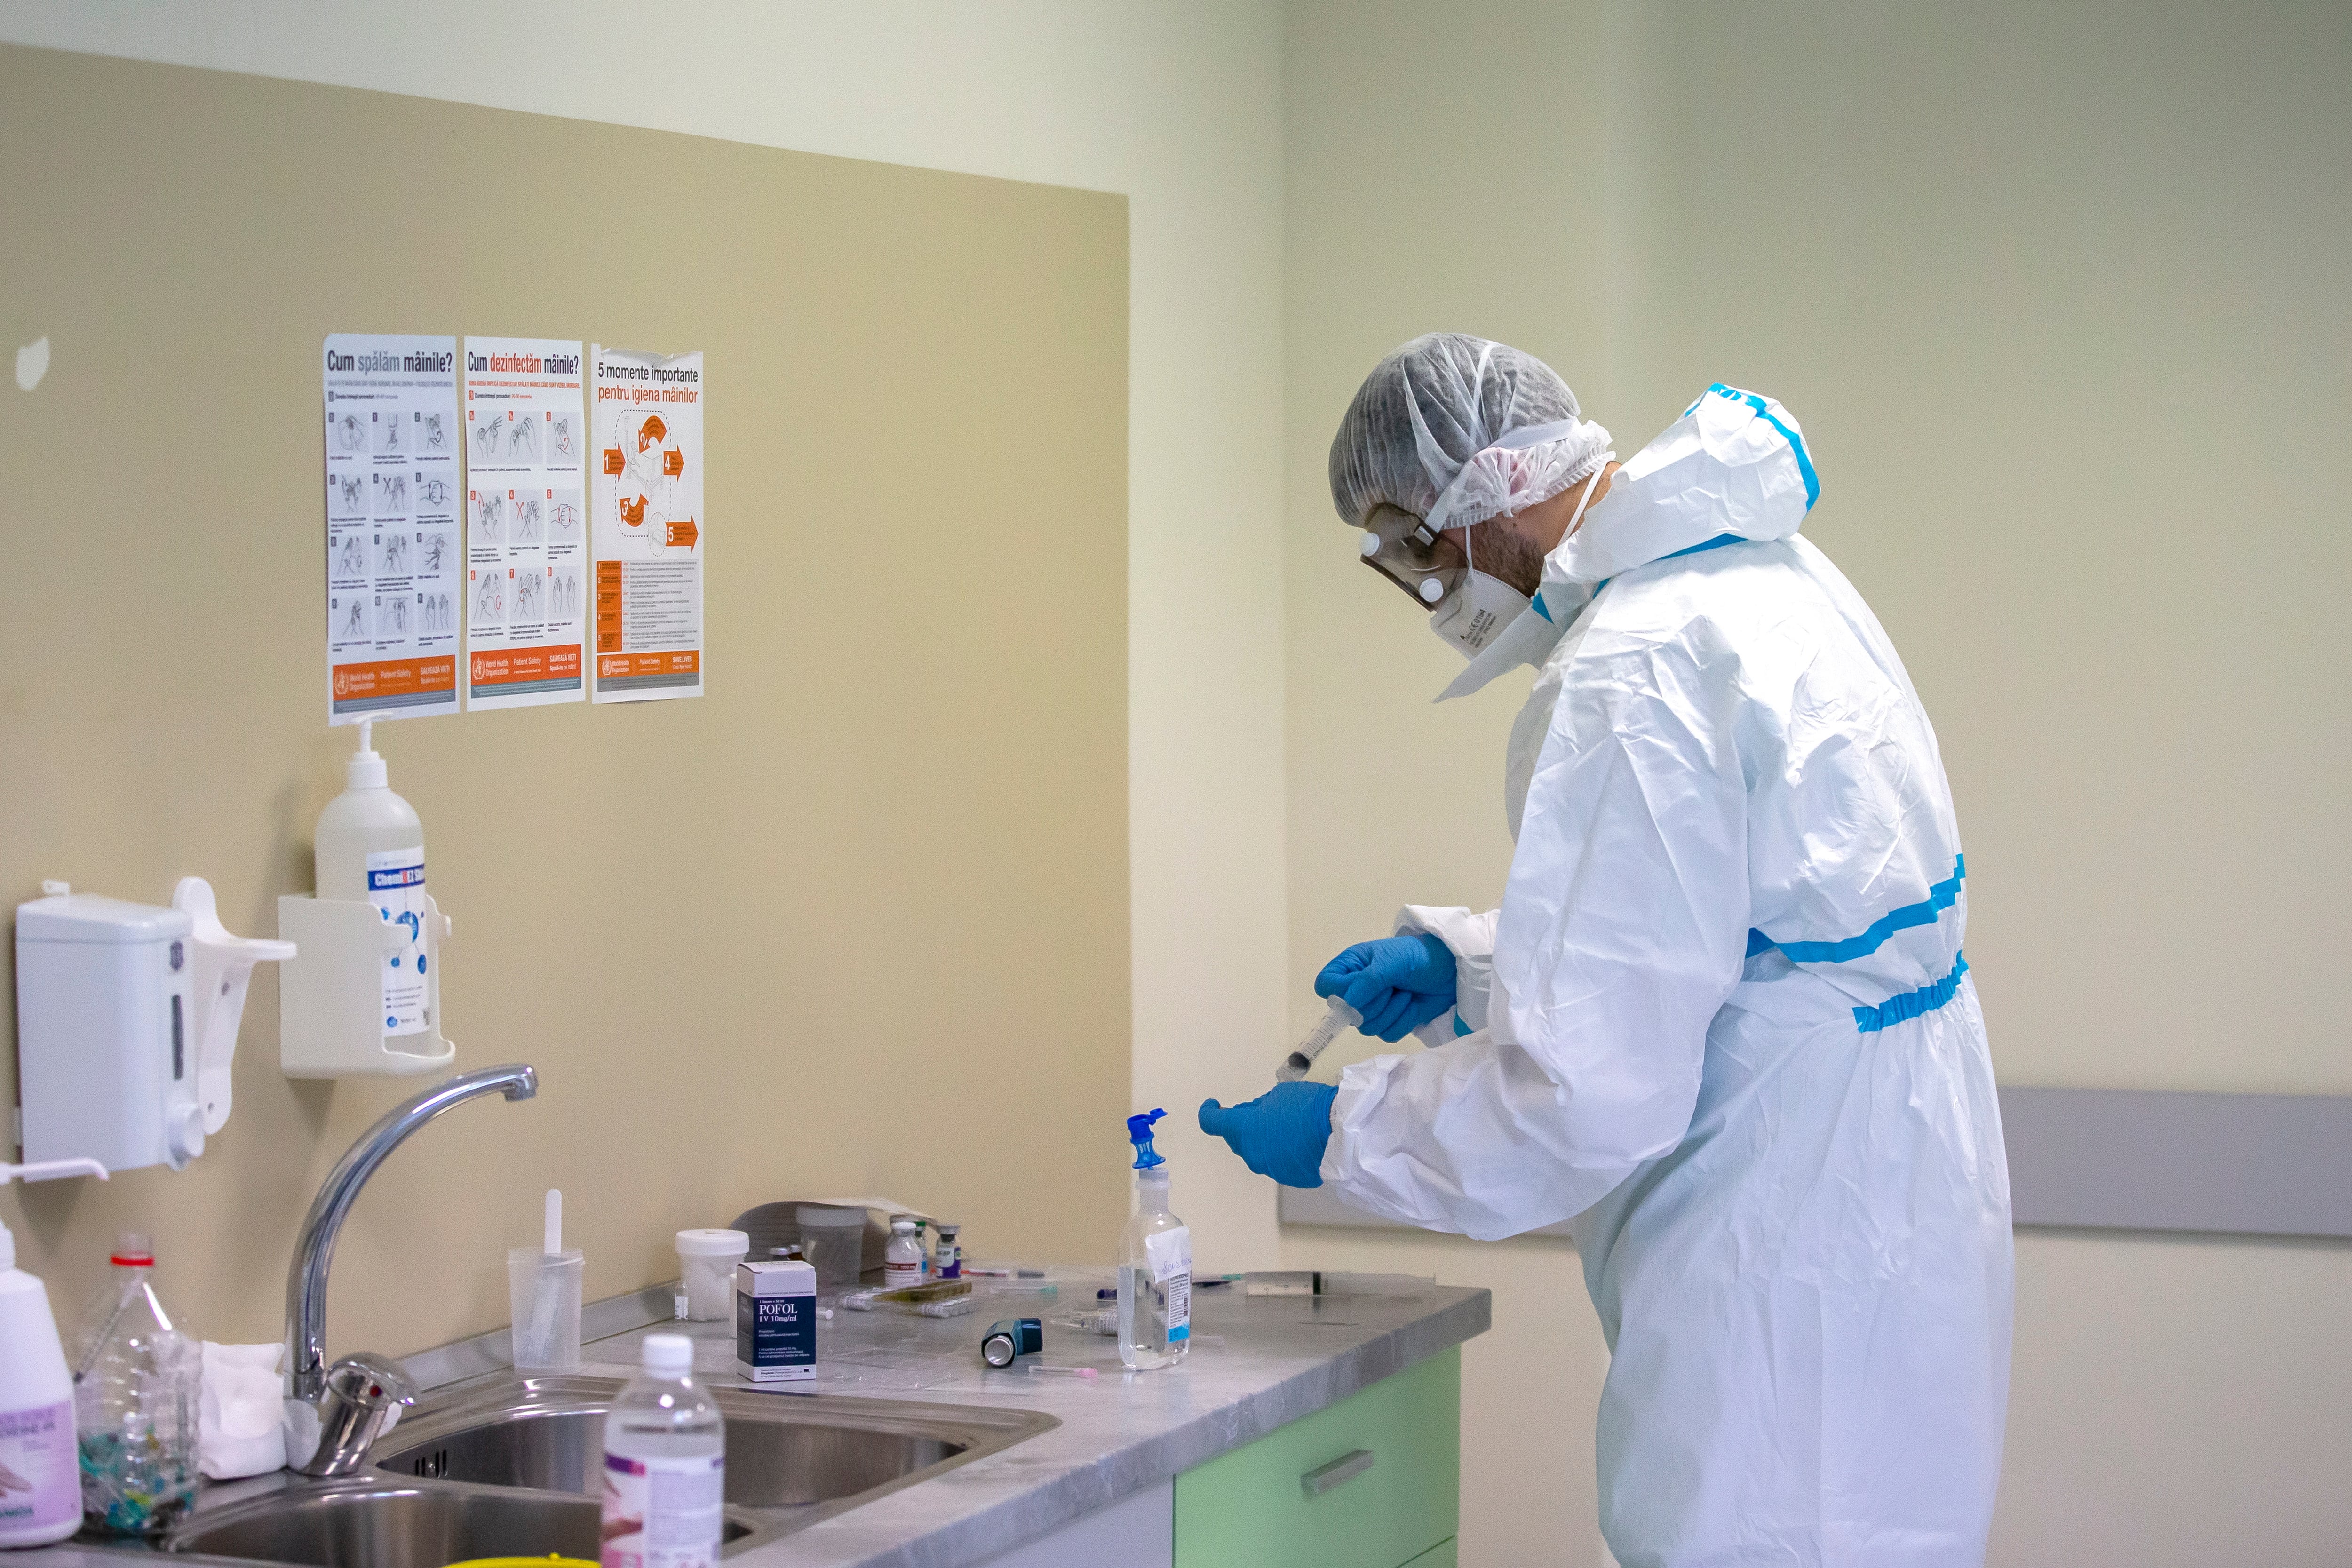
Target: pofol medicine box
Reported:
[(775, 1321)]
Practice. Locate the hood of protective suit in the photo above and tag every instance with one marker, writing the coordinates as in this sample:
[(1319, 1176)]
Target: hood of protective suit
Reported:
[(1733, 468)]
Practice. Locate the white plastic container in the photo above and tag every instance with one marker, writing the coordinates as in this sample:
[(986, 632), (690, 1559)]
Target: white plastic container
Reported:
[(369, 849), (37, 1417), (706, 1264), (902, 1260), (834, 1240), (664, 1483)]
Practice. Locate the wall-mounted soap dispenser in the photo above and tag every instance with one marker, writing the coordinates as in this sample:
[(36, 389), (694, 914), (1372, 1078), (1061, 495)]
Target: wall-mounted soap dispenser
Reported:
[(365, 997), (126, 1024)]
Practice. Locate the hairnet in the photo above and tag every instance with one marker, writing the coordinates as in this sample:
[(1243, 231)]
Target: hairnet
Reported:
[(1486, 428)]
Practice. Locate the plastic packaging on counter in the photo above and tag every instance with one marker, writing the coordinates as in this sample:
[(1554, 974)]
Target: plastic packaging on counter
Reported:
[(137, 1377), (836, 1241)]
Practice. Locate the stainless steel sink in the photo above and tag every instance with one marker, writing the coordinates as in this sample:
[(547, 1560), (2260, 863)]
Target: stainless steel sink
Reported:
[(783, 1451), (392, 1526), (507, 1466)]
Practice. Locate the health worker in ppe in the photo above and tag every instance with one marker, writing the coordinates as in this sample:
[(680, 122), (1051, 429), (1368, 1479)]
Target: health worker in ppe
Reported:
[(1721, 1022)]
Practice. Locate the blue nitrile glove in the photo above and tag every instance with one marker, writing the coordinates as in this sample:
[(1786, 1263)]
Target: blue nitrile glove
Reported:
[(1398, 982), (1281, 1133)]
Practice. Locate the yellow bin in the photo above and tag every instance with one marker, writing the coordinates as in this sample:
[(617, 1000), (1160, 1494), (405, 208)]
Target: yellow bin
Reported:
[(550, 1561)]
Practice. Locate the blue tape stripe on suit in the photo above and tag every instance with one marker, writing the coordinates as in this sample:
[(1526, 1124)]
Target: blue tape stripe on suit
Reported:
[(1912, 1003), (1940, 897)]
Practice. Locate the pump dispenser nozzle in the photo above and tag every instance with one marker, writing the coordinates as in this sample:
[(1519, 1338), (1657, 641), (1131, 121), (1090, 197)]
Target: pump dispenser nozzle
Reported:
[(366, 769), (1138, 1132)]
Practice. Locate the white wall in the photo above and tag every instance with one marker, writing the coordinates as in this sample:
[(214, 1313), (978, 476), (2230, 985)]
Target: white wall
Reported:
[(1174, 104), (2061, 295), (1442, 174)]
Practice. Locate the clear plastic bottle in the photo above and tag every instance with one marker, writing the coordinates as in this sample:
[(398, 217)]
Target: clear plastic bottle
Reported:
[(1155, 1263), (665, 1465), (137, 1371), (902, 1260)]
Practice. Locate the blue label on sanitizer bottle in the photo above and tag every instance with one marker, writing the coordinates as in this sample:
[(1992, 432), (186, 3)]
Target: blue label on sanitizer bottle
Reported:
[(396, 889)]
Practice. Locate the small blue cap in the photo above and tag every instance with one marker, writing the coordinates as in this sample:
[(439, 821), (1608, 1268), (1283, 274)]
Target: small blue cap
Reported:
[(1138, 1132)]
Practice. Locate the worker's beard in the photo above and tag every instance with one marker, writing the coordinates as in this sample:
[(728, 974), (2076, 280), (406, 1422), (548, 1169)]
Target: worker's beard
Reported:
[(1501, 552)]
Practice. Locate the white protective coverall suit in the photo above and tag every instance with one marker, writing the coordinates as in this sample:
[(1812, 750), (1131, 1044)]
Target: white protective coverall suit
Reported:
[(1722, 1019)]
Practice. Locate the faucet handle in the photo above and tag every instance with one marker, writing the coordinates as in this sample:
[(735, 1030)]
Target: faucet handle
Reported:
[(371, 1381), (361, 1395)]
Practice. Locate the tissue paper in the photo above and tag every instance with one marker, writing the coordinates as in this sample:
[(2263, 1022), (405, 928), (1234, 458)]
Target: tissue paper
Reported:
[(238, 1412)]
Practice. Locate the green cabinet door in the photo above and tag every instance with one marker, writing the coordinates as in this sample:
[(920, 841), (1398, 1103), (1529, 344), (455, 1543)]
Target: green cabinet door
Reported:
[(1375, 1481)]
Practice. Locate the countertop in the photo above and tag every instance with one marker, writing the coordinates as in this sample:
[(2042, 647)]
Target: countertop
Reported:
[(1258, 1363)]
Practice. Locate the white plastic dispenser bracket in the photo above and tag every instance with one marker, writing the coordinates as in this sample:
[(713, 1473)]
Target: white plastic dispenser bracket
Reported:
[(331, 999), (224, 969)]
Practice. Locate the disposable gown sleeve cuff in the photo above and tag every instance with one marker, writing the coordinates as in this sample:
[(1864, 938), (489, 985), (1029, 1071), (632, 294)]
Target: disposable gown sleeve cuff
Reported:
[(1470, 937)]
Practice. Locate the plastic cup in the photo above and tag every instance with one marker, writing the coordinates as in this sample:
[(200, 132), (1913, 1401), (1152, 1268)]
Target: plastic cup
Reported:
[(544, 1293), (834, 1240), (705, 1266)]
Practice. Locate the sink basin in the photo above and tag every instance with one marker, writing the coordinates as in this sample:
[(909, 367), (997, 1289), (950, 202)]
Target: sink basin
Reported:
[(509, 1464), (347, 1524), (770, 1464), (784, 1451)]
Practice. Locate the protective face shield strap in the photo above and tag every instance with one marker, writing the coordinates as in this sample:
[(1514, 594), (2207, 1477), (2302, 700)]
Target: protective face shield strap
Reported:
[(1391, 545)]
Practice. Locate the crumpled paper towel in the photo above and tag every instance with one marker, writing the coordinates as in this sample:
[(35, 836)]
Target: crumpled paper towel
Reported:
[(238, 1412)]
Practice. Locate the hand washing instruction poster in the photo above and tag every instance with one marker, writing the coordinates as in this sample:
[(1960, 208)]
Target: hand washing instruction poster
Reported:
[(394, 574), (645, 415), (527, 522)]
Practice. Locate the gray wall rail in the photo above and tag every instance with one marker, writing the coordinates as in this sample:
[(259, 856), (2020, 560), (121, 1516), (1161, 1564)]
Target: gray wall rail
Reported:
[(2110, 1159)]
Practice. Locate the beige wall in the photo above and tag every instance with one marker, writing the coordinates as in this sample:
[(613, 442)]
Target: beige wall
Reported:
[(1174, 104), (754, 943), (2060, 298)]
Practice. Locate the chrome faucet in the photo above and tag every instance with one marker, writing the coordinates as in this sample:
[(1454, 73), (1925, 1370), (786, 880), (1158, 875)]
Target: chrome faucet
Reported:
[(350, 1403)]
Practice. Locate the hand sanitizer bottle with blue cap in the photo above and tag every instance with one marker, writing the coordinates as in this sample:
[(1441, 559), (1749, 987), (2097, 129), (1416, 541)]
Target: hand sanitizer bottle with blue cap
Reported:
[(1155, 1263)]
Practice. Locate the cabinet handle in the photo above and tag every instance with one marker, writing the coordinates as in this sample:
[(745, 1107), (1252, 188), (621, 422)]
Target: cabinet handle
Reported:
[(1346, 1468)]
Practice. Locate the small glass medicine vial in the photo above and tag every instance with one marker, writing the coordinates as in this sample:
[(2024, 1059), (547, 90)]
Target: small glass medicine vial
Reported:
[(902, 1260)]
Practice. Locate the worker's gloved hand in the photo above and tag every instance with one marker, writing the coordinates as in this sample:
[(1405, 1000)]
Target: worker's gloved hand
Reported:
[(1281, 1133), (1398, 982)]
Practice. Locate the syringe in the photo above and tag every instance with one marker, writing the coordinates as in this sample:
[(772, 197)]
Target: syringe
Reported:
[(1338, 1018)]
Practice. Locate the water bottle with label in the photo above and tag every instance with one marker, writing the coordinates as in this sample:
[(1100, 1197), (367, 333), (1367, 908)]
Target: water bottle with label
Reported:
[(665, 1479)]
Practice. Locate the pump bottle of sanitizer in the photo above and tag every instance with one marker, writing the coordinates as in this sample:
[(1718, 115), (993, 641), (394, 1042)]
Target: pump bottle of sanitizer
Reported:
[(1155, 1263), (370, 849)]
